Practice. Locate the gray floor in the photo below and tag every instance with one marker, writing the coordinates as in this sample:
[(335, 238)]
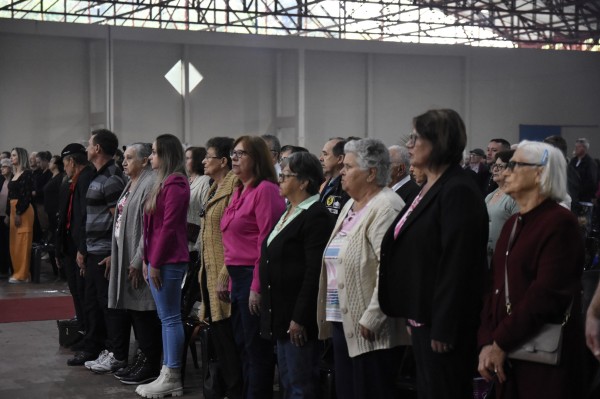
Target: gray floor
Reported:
[(33, 365)]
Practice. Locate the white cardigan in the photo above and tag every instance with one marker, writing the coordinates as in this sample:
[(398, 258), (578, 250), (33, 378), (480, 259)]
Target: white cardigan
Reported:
[(357, 279)]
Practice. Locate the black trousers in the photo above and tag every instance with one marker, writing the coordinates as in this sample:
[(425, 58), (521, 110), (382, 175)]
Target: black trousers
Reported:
[(75, 281), (228, 358), (369, 375), (96, 304), (148, 332), (444, 375)]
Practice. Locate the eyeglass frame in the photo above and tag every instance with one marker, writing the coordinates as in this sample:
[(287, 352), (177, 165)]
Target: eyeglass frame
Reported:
[(512, 164), (500, 166), (283, 176), (238, 154)]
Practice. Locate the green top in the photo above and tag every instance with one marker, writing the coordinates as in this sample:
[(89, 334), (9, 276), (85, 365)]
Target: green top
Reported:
[(299, 209)]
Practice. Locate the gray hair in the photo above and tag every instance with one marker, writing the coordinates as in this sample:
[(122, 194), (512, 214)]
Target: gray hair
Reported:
[(553, 182), (142, 150), (371, 153), (583, 141), (399, 154)]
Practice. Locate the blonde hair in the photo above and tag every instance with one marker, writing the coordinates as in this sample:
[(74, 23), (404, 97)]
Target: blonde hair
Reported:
[(172, 160)]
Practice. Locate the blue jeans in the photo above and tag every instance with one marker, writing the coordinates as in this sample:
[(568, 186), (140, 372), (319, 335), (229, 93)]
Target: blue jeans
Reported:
[(298, 369), (168, 306), (258, 363)]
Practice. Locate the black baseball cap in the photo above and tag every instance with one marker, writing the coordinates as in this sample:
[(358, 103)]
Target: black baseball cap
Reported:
[(72, 149)]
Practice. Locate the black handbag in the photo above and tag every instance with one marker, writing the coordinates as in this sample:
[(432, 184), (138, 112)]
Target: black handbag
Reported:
[(213, 386)]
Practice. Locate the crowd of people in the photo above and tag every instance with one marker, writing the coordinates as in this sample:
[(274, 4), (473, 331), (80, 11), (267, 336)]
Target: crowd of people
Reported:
[(362, 251)]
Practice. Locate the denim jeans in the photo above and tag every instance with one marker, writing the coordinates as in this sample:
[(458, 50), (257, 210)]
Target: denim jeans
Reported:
[(298, 369), (168, 306), (258, 364)]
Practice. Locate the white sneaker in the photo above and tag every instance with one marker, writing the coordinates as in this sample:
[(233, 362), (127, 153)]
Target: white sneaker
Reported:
[(108, 365), (168, 383), (90, 363)]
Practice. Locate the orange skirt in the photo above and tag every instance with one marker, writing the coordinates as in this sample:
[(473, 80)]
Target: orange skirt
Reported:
[(20, 240)]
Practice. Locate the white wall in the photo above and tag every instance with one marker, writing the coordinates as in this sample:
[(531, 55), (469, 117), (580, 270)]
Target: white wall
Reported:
[(56, 86)]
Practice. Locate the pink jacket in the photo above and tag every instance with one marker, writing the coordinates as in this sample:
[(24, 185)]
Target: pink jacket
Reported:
[(247, 221), (165, 233)]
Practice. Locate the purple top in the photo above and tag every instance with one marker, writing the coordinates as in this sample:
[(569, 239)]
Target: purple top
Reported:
[(165, 233), (247, 221)]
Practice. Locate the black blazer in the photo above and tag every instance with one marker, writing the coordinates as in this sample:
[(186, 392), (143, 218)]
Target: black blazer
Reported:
[(289, 273), (408, 191), (434, 271)]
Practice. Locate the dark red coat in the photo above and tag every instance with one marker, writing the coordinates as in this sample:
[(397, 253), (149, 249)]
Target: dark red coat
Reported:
[(545, 265)]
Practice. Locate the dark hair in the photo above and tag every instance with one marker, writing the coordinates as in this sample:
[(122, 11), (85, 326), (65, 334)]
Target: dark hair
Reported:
[(78, 158), (504, 156), (445, 130), (6, 154), (293, 149), (338, 148), (273, 141), (107, 140), (223, 147), (198, 154), (308, 167), (505, 144), (58, 162), (558, 142), (44, 155), (257, 149)]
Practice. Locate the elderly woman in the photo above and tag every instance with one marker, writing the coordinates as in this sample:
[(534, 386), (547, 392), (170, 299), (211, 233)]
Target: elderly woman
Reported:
[(126, 288), (365, 341), (433, 259), (20, 215), (214, 279), (289, 269), (500, 206), (537, 269), (254, 209)]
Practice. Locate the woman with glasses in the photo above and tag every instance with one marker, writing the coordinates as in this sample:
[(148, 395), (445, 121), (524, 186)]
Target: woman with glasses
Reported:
[(252, 213), (537, 267), (365, 341), (214, 279), (289, 272), (433, 259), (500, 206)]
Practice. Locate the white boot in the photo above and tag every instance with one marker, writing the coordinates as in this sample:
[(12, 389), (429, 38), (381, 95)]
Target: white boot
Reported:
[(141, 389), (168, 383)]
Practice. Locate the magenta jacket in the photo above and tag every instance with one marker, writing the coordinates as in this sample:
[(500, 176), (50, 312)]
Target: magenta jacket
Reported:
[(247, 221), (165, 234)]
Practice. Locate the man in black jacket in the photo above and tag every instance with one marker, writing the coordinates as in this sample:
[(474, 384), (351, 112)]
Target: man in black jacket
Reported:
[(400, 181), (587, 169), (71, 222), (332, 161)]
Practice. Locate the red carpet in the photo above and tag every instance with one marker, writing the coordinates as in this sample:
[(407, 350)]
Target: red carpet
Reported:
[(34, 309)]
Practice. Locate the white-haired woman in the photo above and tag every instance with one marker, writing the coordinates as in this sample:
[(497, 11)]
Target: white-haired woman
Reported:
[(365, 341), (539, 255)]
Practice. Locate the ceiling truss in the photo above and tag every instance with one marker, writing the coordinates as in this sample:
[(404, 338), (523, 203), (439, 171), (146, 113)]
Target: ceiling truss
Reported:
[(568, 24)]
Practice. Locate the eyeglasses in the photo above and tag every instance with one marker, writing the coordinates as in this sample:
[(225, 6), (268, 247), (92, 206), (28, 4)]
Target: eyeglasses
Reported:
[(412, 138), (238, 153), (209, 157), (283, 176), (499, 166), (512, 164)]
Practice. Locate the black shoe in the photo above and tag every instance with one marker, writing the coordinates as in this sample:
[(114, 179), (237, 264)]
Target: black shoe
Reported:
[(135, 364), (78, 346), (81, 357), (147, 372)]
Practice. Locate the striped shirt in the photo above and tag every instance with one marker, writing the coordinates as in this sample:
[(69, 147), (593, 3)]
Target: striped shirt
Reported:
[(102, 195)]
